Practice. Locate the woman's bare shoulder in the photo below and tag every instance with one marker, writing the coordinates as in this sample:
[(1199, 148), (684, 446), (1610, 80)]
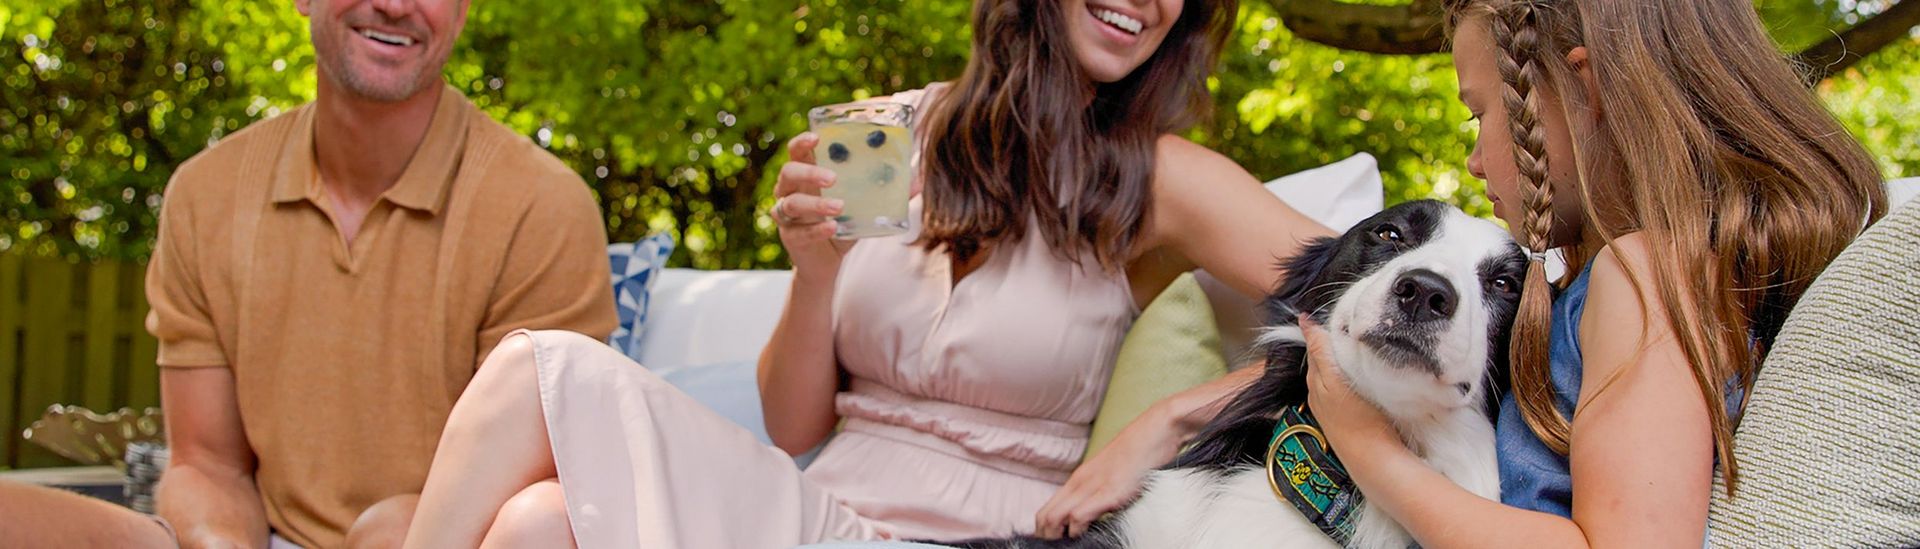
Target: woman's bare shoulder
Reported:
[(1182, 167)]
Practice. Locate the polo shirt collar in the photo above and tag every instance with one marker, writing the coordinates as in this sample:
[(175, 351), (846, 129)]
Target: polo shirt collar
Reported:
[(422, 186)]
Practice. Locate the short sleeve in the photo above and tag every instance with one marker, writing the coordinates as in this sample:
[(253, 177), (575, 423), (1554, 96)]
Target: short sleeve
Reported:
[(180, 317), (555, 276)]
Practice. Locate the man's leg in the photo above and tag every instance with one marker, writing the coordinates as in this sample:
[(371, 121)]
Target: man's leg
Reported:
[(37, 516), (384, 525)]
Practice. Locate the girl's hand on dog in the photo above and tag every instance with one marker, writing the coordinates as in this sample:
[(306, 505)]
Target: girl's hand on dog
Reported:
[(1343, 415), (1110, 478), (805, 218)]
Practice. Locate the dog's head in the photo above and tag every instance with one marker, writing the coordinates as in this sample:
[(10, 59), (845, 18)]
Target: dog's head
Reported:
[(1418, 300)]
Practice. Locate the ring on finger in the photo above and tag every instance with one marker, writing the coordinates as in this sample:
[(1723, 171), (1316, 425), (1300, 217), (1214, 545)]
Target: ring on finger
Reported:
[(780, 213)]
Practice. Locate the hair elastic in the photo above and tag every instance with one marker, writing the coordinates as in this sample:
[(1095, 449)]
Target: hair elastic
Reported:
[(1536, 256)]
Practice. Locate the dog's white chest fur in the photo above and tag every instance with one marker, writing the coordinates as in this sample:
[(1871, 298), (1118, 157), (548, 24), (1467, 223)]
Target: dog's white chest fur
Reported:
[(1197, 508)]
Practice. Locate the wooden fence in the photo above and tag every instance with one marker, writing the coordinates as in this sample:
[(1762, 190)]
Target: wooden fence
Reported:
[(70, 333)]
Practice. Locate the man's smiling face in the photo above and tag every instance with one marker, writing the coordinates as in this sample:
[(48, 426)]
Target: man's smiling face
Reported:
[(383, 50)]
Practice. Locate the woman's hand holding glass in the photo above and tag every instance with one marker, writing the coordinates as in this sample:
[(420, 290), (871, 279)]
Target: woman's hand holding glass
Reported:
[(804, 218)]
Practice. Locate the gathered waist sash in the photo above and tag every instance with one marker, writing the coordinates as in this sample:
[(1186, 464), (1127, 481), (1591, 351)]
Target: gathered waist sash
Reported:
[(1039, 448)]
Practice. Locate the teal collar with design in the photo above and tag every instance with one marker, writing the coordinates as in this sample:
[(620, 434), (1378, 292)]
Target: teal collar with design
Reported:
[(1308, 475)]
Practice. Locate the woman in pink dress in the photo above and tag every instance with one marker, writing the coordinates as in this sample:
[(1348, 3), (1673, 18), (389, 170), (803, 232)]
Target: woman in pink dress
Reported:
[(962, 362)]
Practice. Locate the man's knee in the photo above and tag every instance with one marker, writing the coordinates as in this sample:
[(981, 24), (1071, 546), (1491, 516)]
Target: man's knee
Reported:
[(36, 516), (535, 517), (384, 524)]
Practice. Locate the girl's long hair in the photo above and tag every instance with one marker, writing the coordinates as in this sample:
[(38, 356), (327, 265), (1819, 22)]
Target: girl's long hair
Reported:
[(1743, 184)]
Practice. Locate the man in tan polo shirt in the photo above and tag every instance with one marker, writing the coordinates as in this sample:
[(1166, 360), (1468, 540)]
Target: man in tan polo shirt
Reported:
[(326, 282)]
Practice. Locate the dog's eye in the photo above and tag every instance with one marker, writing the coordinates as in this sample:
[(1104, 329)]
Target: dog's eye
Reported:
[(1389, 233), (1506, 284)]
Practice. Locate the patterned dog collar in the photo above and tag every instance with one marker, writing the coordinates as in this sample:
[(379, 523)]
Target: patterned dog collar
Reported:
[(1308, 476)]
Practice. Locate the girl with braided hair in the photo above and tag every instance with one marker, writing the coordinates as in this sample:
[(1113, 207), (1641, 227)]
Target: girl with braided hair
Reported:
[(1696, 188)]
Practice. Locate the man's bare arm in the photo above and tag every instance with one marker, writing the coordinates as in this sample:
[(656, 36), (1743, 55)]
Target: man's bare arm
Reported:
[(208, 492)]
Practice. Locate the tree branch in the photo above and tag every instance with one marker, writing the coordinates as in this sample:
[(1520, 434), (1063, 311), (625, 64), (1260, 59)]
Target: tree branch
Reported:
[(1416, 28), (1843, 50), (1420, 28)]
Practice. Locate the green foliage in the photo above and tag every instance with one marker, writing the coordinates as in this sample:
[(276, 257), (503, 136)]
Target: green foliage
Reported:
[(677, 112), (1287, 104), (100, 103), (1879, 100)]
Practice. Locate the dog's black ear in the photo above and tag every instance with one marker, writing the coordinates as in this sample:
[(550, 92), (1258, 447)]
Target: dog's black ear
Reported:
[(1240, 433), (1499, 369), (1301, 271)]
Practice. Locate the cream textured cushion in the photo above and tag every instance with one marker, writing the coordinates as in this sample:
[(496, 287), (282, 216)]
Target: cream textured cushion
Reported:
[(1829, 447)]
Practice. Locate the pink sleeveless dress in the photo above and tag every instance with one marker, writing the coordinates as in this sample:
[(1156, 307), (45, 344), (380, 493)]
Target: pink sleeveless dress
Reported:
[(970, 404)]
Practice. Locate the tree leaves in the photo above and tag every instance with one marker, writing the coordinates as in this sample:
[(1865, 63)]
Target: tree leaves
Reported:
[(101, 100), (677, 113)]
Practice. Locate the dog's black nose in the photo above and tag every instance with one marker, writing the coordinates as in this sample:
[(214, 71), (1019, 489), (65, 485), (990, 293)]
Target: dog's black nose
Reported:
[(1425, 295)]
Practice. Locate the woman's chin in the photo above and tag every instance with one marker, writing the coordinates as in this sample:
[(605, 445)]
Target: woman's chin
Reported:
[(1106, 69)]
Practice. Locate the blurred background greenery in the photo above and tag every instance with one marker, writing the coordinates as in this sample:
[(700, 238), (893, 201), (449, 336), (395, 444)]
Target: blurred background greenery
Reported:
[(676, 112)]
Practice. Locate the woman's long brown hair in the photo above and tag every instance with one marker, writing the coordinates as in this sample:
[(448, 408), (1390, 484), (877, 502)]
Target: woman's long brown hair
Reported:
[(1025, 132), (1743, 184)]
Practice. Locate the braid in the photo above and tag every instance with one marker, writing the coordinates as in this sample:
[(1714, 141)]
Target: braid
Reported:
[(1517, 36), (1520, 67)]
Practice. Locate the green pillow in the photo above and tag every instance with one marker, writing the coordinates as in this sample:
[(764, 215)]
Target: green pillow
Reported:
[(1173, 346)]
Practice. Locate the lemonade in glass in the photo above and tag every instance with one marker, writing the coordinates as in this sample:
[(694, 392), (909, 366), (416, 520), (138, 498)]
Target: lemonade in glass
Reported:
[(869, 147)]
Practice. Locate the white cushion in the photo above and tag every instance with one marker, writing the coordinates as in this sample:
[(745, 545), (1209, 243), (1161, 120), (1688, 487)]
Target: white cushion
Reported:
[(1337, 195), (1899, 191), (711, 317)]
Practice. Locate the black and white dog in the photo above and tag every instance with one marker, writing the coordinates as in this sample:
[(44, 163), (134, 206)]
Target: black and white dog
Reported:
[(1418, 302)]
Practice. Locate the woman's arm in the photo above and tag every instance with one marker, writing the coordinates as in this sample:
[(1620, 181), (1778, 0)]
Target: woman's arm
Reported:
[(1113, 477), (798, 374), (1210, 213), (1642, 453)]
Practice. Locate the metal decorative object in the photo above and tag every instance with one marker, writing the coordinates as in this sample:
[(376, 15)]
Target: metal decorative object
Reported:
[(91, 438), (146, 461)]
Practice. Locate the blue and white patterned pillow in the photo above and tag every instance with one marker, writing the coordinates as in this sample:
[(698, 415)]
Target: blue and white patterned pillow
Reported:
[(636, 265)]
